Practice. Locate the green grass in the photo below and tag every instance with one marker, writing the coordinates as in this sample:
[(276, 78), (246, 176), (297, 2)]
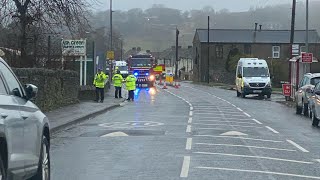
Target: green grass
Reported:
[(277, 89)]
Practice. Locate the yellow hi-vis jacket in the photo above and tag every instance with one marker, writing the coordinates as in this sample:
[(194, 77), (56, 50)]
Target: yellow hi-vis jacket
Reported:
[(117, 80), (99, 80), (131, 83)]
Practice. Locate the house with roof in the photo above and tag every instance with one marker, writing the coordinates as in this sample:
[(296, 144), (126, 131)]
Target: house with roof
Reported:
[(271, 45)]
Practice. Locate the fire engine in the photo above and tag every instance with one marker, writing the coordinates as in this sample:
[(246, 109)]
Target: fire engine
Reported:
[(141, 65)]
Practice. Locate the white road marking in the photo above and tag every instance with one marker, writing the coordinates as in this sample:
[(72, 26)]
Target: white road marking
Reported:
[(257, 121), (188, 129), (212, 129), (227, 121), (246, 114), (262, 172), (318, 160), (274, 131), (190, 120), (264, 140), (233, 105), (224, 118), (297, 146), (235, 145), (185, 167), (115, 134), (189, 144), (190, 113), (239, 109), (233, 133), (191, 108), (226, 125), (256, 157)]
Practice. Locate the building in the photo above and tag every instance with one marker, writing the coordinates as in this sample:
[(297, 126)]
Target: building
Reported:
[(271, 45)]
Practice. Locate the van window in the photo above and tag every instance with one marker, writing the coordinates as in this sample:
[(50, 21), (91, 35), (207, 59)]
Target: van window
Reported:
[(2, 87), (239, 70), (255, 72)]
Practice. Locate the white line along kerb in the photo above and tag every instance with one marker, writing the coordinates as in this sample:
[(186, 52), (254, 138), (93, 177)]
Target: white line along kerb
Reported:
[(297, 146), (191, 113), (257, 121), (189, 144), (191, 108), (246, 114), (185, 167), (190, 120), (188, 129)]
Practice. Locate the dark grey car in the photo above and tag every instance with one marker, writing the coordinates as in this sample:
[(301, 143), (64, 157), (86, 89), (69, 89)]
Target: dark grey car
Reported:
[(24, 131)]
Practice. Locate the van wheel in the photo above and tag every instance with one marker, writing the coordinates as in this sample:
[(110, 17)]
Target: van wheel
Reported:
[(243, 95), (2, 170), (268, 96), (238, 94)]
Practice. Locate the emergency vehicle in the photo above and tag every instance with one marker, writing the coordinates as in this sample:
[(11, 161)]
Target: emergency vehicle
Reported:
[(141, 65), (122, 67)]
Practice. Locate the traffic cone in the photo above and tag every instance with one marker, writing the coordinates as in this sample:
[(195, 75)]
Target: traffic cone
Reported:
[(160, 83), (165, 85), (176, 85)]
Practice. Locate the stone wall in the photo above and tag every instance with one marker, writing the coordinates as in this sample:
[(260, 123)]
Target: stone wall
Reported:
[(56, 87)]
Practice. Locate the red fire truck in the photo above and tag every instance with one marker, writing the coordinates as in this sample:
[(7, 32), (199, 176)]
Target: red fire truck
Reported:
[(141, 65)]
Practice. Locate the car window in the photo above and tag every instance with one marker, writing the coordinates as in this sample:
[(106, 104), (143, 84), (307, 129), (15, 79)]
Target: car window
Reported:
[(315, 80), (2, 87), (13, 84), (305, 81)]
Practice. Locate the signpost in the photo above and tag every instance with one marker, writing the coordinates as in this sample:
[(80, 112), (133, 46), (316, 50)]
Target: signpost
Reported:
[(76, 48), (295, 50), (110, 55), (286, 90), (307, 57)]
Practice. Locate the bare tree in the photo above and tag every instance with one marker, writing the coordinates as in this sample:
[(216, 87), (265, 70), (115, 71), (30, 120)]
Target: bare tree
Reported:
[(52, 15)]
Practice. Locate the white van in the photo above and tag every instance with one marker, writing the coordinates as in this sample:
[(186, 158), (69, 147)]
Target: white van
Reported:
[(253, 77)]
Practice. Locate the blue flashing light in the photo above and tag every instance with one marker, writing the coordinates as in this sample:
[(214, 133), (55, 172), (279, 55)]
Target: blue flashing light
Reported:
[(147, 74), (135, 74)]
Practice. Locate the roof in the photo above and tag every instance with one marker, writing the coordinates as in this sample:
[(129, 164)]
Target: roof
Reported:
[(251, 36), (171, 53)]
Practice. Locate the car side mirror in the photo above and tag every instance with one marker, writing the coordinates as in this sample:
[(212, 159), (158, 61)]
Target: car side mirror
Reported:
[(16, 92), (31, 91), (239, 76)]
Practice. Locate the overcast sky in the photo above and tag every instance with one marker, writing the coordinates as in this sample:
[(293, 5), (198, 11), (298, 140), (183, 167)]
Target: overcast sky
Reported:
[(232, 5)]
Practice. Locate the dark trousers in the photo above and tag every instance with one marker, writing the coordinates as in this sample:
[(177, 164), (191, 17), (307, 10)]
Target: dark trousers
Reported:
[(131, 94), (99, 91), (117, 92)]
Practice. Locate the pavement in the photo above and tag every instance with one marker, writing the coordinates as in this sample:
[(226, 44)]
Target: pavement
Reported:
[(194, 132), (69, 115)]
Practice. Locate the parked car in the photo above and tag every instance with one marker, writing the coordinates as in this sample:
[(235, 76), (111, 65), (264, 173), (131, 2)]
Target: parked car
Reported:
[(304, 92), (24, 131), (314, 105)]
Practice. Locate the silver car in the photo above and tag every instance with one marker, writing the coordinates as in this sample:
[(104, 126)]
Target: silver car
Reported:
[(24, 131), (314, 106)]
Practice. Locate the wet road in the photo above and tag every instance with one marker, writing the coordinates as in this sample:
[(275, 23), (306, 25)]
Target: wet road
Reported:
[(194, 132)]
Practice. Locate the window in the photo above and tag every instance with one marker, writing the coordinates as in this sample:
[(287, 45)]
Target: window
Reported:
[(275, 51), (315, 81), (13, 84), (239, 70), (219, 51), (2, 87), (247, 49)]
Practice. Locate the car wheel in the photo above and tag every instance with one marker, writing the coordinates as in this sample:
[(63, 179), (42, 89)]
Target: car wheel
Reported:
[(268, 96), (298, 109), (305, 109), (2, 170), (44, 163), (315, 120)]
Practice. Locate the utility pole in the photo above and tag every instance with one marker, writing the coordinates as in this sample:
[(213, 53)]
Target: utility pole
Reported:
[(208, 65), (121, 50), (111, 33), (293, 19), (177, 44), (49, 47), (307, 26)]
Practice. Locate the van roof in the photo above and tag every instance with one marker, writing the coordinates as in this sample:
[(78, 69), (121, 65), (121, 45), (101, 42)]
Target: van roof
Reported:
[(252, 62)]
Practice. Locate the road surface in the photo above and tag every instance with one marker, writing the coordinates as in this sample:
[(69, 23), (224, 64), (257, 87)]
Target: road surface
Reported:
[(194, 132)]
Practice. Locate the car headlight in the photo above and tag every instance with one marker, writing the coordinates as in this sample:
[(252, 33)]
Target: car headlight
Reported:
[(245, 84), (269, 84)]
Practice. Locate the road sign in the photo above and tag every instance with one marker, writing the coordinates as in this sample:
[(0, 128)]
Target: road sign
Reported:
[(307, 57), (110, 55), (286, 89), (295, 50), (74, 47)]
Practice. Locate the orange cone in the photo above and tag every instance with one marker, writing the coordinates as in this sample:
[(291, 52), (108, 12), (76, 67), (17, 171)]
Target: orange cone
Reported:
[(165, 86)]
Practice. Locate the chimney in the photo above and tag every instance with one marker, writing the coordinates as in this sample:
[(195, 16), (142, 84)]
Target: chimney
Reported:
[(255, 26), (139, 49), (179, 47), (189, 47), (148, 51), (260, 27), (134, 48)]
